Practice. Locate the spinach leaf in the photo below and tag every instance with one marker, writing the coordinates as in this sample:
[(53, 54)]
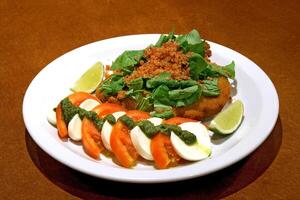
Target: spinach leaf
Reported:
[(127, 60), (162, 111), (164, 38), (163, 79), (187, 83), (112, 85), (136, 84), (183, 93), (145, 103), (191, 99), (197, 66), (164, 115), (214, 70), (178, 97), (191, 42), (161, 95), (210, 87)]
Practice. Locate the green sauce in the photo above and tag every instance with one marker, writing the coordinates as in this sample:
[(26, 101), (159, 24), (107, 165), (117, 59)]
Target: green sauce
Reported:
[(127, 121), (110, 118), (69, 110), (148, 128), (186, 136)]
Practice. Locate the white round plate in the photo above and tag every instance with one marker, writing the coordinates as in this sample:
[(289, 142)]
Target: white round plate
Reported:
[(52, 84)]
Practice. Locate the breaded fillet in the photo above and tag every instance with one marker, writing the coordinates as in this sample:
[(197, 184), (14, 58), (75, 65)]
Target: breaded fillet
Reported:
[(207, 106)]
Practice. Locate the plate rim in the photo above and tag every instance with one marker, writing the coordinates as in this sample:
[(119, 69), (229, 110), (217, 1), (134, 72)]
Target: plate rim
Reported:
[(72, 163)]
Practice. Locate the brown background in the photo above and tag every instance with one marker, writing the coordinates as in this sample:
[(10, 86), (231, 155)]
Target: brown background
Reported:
[(33, 33)]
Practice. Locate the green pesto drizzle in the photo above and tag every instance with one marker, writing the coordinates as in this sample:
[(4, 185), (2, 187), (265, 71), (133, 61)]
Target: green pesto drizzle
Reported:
[(148, 128)]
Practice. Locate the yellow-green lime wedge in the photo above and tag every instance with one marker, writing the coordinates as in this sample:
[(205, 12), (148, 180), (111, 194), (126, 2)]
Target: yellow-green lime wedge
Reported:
[(228, 120), (89, 81)]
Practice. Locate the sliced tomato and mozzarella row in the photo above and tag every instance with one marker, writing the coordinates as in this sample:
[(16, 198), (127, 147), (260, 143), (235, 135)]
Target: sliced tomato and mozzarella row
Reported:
[(141, 142), (91, 136), (74, 126), (121, 143), (76, 99), (200, 149)]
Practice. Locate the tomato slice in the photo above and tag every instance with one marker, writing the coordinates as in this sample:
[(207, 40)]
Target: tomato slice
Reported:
[(60, 123), (78, 97), (178, 120), (91, 139), (108, 108), (120, 140), (137, 115), (163, 152), (122, 146)]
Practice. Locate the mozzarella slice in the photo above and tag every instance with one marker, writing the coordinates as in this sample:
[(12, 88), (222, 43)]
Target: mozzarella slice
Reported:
[(198, 151), (89, 104), (51, 117), (74, 126), (107, 128), (141, 142)]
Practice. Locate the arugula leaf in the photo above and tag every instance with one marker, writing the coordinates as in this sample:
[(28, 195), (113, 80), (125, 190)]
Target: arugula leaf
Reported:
[(183, 93), (191, 42), (127, 60), (210, 87), (164, 38), (136, 84), (112, 85), (197, 66)]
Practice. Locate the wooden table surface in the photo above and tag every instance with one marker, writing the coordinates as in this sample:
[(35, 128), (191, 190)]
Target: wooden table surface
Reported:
[(33, 33)]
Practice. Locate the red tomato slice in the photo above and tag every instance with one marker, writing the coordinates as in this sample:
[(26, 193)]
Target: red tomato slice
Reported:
[(60, 123), (178, 120), (122, 146), (108, 108), (91, 139), (137, 115), (163, 152), (78, 97), (120, 140)]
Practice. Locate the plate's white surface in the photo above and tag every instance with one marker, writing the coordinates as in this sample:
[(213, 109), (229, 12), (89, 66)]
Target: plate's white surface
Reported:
[(52, 84)]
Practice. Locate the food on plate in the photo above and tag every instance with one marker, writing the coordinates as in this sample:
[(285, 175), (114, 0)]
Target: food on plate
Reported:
[(149, 104), (174, 77)]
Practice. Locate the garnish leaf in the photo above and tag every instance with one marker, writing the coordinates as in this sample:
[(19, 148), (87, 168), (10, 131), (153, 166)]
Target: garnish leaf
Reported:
[(164, 38), (210, 87), (112, 85), (136, 84), (191, 42), (127, 60), (197, 66)]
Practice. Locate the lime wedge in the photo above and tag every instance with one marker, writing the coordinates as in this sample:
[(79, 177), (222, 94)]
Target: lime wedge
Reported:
[(89, 81), (229, 119)]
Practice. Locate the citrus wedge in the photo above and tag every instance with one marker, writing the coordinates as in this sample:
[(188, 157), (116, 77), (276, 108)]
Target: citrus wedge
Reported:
[(228, 120), (89, 81)]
